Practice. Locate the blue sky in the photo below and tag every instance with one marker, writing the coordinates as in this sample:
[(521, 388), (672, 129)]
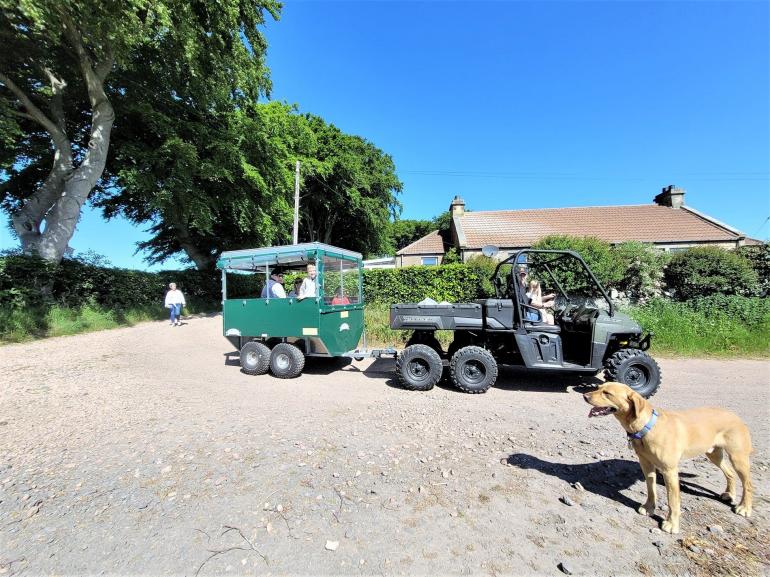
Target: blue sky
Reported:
[(532, 104)]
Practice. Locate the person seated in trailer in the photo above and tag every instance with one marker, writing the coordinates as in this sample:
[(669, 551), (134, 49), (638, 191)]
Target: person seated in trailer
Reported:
[(540, 301), (339, 298), (309, 287), (293, 293), (274, 287)]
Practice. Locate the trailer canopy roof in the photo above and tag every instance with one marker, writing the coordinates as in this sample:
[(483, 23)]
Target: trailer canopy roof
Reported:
[(257, 258)]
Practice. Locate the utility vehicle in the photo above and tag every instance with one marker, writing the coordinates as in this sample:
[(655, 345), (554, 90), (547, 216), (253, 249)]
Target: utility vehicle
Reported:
[(588, 334)]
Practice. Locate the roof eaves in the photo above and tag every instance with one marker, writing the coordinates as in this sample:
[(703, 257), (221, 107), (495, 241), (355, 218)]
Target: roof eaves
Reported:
[(713, 221)]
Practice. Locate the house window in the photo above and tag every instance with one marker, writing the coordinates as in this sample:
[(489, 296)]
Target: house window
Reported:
[(430, 260)]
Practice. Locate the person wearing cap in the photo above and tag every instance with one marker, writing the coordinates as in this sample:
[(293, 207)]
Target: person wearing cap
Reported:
[(274, 287)]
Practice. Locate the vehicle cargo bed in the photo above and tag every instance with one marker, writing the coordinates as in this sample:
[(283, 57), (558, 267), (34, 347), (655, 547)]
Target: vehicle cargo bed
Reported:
[(415, 316)]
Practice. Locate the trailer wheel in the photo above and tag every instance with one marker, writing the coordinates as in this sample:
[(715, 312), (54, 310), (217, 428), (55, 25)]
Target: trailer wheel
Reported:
[(286, 361), (255, 358), (419, 368), (473, 369), (634, 368)]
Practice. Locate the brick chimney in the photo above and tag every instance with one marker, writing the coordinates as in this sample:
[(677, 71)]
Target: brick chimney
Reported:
[(670, 196), (457, 208)]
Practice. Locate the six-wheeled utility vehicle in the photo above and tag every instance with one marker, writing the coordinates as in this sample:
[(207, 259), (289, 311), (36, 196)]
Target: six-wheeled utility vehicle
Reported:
[(587, 335), (277, 334)]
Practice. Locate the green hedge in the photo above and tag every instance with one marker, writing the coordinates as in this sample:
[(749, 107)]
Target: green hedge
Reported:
[(453, 283), (705, 270)]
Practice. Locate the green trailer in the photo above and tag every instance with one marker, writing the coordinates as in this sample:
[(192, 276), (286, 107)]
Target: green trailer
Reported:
[(277, 334)]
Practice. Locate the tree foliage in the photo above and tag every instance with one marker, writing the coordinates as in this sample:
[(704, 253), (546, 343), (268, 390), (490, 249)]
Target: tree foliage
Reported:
[(349, 193), (64, 63)]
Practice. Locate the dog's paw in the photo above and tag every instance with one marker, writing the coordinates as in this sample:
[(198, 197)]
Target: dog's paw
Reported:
[(743, 510), (669, 527), (646, 510), (727, 498)]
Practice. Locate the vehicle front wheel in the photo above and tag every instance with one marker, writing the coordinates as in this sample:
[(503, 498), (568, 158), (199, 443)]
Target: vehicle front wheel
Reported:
[(286, 361), (473, 369), (635, 368), (419, 368), (255, 358)]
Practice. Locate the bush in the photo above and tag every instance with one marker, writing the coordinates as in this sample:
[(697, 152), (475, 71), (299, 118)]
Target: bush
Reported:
[(705, 270), (642, 270), (597, 254), (759, 259)]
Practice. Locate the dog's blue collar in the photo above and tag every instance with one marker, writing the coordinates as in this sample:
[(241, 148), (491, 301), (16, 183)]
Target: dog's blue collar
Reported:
[(646, 429)]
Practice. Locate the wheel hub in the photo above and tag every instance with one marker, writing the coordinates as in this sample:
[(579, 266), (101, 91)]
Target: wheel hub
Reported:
[(474, 372), (282, 361), (418, 369), (636, 377)]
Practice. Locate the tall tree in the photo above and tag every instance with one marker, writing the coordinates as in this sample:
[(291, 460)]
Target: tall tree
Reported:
[(211, 180), (349, 194), (63, 63)]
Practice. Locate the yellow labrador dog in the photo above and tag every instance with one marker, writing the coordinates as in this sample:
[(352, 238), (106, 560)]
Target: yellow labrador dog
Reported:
[(662, 438)]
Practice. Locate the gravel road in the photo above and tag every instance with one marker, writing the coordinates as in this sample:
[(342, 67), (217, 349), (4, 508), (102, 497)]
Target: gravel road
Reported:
[(145, 451)]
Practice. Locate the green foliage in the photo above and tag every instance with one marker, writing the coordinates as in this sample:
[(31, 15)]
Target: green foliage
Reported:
[(484, 268), (42, 299), (642, 269), (597, 254), (451, 256), (759, 259), (349, 191), (704, 271), (453, 283), (718, 325), (163, 64), (404, 232)]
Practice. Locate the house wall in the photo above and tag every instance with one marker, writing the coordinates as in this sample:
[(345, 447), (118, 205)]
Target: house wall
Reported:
[(416, 259)]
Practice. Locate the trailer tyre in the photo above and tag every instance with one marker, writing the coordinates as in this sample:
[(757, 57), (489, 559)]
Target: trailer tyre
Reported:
[(255, 358), (419, 368), (634, 368), (286, 361), (473, 370)]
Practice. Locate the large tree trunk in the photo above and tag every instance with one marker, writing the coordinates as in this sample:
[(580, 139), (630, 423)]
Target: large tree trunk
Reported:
[(46, 221)]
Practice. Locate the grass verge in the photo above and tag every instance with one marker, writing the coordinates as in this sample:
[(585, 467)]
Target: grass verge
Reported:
[(25, 324)]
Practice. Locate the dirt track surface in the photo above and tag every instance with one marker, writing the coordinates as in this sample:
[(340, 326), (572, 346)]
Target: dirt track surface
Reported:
[(142, 451)]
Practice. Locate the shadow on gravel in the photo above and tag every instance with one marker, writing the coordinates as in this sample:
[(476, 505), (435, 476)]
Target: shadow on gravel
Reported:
[(606, 478)]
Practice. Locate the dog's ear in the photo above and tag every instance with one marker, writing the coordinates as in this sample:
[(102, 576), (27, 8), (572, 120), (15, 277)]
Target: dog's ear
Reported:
[(635, 403)]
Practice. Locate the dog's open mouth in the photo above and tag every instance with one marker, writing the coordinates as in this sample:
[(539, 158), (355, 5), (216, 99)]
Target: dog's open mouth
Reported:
[(600, 411)]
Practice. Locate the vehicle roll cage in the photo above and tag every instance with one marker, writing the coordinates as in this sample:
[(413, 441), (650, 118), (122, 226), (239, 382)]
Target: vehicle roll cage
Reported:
[(514, 260)]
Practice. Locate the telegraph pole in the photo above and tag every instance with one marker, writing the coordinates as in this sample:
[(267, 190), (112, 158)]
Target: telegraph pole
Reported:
[(296, 204)]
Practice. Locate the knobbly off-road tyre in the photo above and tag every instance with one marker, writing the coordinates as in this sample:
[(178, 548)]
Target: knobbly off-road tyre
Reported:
[(473, 370), (255, 358), (419, 368), (286, 361), (634, 368)]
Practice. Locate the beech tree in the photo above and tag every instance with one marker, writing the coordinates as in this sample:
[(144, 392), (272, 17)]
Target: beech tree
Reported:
[(63, 63)]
